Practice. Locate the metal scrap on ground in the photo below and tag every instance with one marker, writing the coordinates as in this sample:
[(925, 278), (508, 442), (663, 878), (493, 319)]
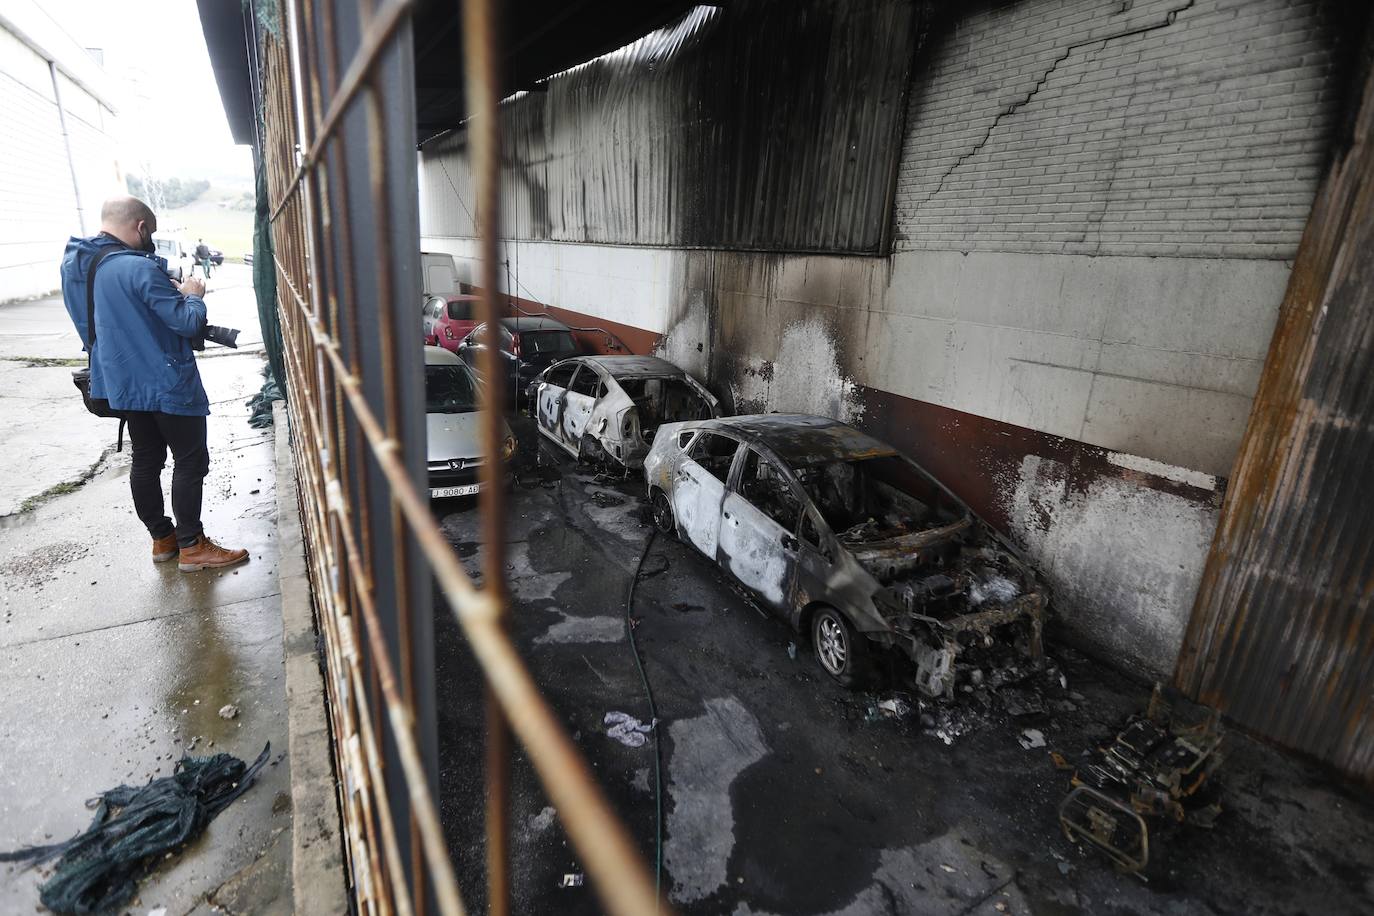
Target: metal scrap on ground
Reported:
[(1158, 767)]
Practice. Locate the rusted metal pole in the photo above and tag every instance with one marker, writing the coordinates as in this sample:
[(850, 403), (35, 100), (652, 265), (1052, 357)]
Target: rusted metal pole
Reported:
[(480, 44)]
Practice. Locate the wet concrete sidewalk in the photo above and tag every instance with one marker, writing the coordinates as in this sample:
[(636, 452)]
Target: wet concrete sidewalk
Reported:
[(114, 666)]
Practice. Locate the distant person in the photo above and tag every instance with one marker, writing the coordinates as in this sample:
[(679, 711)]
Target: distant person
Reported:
[(143, 364), (202, 257)]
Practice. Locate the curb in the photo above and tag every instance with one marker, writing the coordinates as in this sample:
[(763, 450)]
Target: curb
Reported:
[(317, 862)]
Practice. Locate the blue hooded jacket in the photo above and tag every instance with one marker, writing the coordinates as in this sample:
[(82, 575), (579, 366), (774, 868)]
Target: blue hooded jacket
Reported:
[(142, 358)]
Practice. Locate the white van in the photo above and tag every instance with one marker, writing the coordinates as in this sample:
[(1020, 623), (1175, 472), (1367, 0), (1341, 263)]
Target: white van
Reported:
[(438, 274), (177, 254)]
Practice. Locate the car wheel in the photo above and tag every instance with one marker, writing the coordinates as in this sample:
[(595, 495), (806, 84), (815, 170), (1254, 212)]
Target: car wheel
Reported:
[(662, 513), (842, 652)]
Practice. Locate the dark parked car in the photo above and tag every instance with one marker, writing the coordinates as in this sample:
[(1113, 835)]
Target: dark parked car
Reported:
[(448, 319), (216, 257), (849, 541), (528, 346)]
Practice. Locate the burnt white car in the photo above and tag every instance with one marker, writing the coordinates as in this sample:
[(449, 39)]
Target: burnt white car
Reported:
[(610, 407), (852, 543)]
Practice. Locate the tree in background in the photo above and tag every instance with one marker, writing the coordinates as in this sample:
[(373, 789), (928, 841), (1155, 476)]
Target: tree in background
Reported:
[(166, 193)]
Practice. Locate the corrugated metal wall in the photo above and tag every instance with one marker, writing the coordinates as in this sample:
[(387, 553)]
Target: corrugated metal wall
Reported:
[(1282, 634), (757, 125)]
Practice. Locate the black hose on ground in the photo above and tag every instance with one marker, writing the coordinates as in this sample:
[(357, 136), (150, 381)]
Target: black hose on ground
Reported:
[(653, 717)]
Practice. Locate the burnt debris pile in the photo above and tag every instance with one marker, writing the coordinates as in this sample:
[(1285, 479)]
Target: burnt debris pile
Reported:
[(1157, 771)]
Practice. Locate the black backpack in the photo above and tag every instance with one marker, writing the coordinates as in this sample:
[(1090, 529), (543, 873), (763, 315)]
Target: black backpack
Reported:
[(82, 377)]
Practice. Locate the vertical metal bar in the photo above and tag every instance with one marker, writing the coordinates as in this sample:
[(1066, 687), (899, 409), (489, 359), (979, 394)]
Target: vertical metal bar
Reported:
[(67, 142), (344, 430), (480, 41)]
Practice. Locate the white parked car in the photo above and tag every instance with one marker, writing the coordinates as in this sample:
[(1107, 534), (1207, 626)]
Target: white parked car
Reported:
[(609, 407)]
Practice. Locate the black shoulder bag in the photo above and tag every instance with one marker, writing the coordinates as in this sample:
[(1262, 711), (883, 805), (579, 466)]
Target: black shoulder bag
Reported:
[(82, 377)]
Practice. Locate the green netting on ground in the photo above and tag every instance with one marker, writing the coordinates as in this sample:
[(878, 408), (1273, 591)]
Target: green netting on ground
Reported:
[(265, 285), (134, 829)]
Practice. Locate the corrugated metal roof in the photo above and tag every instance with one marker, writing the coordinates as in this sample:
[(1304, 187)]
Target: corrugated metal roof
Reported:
[(1282, 635), (757, 125)]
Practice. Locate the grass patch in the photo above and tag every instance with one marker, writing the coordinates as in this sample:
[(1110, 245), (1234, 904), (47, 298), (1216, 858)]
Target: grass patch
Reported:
[(229, 230), (66, 486), (46, 362)]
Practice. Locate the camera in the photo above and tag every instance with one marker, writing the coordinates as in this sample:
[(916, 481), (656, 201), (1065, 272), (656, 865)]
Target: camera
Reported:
[(214, 333)]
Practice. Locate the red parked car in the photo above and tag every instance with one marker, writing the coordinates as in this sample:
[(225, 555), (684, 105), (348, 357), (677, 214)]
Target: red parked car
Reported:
[(448, 319)]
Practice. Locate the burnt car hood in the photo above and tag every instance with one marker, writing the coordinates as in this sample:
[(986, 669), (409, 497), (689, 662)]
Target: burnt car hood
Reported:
[(956, 575)]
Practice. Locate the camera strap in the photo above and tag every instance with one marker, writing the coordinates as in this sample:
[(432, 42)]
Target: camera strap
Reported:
[(90, 323), (90, 300)]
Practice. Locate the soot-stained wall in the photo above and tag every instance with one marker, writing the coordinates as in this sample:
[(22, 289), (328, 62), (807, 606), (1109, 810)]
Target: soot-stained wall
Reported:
[(1087, 398), (755, 124)]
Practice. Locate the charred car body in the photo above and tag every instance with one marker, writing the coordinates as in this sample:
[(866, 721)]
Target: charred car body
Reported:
[(848, 540), (611, 406)]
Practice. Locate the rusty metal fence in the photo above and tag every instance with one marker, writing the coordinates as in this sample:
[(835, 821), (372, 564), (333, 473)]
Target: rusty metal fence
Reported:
[(337, 90)]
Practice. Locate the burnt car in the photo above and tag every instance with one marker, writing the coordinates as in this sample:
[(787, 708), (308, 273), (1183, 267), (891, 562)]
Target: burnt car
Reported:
[(849, 541), (610, 407)]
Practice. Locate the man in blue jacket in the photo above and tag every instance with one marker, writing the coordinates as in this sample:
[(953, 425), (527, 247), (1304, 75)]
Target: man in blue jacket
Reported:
[(142, 362)]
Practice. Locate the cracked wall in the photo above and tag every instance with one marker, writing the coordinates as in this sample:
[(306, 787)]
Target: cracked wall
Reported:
[(1195, 129), (1095, 211)]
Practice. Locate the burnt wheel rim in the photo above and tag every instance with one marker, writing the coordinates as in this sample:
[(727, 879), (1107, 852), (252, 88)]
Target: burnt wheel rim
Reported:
[(831, 644), (663, 514)]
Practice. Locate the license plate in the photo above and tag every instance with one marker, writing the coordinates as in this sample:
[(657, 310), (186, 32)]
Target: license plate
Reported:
[(442, 492)]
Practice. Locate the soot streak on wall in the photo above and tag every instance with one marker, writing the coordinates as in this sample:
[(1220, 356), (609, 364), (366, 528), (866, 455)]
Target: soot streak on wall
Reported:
[(753, 125), (1083, 399)]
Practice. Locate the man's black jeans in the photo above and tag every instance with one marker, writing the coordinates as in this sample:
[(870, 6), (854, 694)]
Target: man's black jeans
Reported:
[(150, 436)]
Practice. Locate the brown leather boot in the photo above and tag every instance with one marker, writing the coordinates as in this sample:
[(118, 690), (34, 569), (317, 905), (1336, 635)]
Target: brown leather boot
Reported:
[(165, 549), (206, 554)]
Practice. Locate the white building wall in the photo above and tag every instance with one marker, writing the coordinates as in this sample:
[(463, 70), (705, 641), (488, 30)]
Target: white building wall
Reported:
[(38, 203)]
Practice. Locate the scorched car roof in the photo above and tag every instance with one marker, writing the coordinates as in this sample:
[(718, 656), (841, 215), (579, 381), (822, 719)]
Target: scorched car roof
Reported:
[(803, 440), (630, 366), (533, 323)]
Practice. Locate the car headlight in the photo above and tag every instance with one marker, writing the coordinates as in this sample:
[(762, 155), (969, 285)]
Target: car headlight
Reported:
[(507, 448)]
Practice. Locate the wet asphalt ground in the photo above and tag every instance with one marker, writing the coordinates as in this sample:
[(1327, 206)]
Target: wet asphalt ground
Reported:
[(785, 793), (114, 666)]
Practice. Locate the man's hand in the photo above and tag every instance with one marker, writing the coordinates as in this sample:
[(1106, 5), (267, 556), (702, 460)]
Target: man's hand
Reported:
[(192, 286)]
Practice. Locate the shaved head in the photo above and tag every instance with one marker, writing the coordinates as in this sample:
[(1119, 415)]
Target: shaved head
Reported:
[(122, 216), (125, 211)]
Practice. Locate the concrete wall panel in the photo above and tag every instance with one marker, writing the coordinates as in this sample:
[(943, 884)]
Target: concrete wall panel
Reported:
[(1124, 560), (1095, 208)]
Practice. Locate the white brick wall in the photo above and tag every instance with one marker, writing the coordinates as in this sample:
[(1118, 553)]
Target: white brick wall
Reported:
[(37, 203), (1194, 129)]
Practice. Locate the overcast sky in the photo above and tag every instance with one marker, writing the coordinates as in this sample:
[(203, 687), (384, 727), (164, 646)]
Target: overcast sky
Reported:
[(171, 119)]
